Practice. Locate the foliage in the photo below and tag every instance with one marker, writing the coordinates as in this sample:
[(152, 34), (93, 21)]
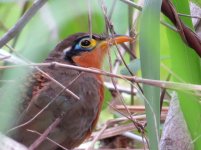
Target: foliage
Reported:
[(161, 50)]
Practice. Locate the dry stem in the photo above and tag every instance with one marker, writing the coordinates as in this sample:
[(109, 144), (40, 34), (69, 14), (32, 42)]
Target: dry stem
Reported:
[(157, 83)]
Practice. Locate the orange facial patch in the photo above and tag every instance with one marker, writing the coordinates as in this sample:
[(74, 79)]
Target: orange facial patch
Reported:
[(92, 59)]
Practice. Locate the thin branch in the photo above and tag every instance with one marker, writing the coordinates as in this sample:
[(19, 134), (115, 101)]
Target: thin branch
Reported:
[(112, 9), (116, 130), (60, 84), (173, 74), (137, 125), (123, 89), (89, 18), (134, 136), (24, 9), (139, 7), (36, 132), (46, 74), (131, 44), (190, 16), (21, 22), (136, 109), (162, 96), (157, 83), (95, 139), (132, 4), (45, 107), (111, 106), (34, 117), (43, 136), (111, 30), (169, 26)]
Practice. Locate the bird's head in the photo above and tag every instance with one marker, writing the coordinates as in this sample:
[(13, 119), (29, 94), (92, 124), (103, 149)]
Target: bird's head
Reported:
[(85, 51)]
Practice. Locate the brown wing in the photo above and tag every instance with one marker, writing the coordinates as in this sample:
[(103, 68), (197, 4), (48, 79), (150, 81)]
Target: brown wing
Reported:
[(79, 115)]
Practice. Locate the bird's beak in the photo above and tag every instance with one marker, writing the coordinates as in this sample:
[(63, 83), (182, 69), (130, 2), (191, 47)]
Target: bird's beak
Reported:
[(116, 39)]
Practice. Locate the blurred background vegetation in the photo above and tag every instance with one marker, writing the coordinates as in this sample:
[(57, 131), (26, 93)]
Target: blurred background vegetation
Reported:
[(58, 19)]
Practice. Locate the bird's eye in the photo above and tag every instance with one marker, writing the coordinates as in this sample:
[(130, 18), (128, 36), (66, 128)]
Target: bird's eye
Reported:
[(85, 43), (88, 43)]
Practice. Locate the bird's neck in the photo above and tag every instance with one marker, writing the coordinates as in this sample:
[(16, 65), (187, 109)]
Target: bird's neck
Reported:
[(92, 59)]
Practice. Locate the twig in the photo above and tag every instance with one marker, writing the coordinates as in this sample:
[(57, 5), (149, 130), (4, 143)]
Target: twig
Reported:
[(140, 9), (137, 109), (157, 83), (169, 26), (131, 44), (162, 96), (132, 4), (24, 9), (191, 16), (46, 74), (111, 30), (133, 136), (177, 77), (112, 9), (97, 136), (22, 22), (89, 18), (116, 130), (34, 117), (60, 84), (104, 10), (128, 50), (43, 136), (58, 94), (123, 89), (137, 125), (36, 132), (128, 117), (118, 61)]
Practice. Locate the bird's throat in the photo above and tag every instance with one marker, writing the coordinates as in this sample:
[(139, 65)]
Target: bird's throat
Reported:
[(92, 59)]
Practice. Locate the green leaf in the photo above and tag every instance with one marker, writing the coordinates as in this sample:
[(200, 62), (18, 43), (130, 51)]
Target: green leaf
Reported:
[(150, 64), (186, 65), (107, 98), (134, 66)]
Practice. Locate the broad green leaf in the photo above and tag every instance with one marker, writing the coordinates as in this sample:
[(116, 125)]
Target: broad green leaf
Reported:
[(186, 64), (150, 64)]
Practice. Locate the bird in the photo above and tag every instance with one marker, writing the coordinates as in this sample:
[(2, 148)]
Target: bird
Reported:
[(78, 116)]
